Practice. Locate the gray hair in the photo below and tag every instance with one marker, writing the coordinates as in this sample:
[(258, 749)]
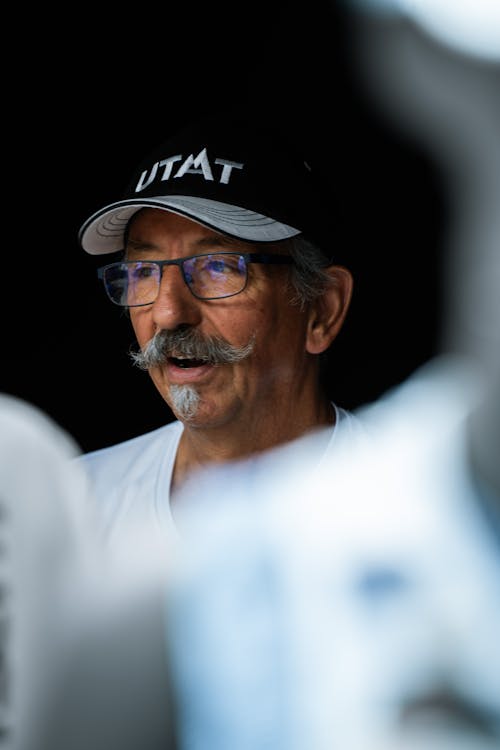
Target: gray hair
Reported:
[(309, 277)]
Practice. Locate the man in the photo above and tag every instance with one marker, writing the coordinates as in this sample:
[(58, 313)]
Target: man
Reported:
[(234, 292)]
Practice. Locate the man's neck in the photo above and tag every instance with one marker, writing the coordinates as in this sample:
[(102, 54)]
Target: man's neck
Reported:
[(201, 447)]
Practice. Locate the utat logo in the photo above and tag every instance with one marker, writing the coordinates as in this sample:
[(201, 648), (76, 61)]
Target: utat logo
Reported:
[(220, 170)]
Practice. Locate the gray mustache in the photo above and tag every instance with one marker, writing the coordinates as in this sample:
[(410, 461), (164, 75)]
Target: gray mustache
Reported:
[(191, 344)]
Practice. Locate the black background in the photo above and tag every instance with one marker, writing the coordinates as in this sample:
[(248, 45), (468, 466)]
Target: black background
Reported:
[(91, 95)]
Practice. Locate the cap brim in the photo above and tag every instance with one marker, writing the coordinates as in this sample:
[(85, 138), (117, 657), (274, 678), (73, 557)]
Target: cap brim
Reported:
[(104, 231)]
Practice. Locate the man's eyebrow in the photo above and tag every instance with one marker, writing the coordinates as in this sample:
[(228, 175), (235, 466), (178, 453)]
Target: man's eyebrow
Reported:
[(139, 245)]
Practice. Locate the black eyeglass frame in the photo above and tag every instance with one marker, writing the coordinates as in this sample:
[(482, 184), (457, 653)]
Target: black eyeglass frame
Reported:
[(265, 258)]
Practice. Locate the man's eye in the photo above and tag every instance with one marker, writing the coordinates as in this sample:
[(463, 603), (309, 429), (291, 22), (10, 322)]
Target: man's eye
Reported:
[(218, 266), (142, 272)]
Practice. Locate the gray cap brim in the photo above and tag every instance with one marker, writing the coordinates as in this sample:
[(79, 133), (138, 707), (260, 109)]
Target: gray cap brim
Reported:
[(103, 232)]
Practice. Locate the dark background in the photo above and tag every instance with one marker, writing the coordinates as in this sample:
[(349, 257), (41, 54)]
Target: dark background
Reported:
[(95, 94)]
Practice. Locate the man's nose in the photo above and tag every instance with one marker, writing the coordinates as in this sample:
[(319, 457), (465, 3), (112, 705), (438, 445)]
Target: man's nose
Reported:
[(175, 305)]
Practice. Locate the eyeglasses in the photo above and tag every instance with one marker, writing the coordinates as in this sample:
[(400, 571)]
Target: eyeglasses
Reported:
[(208, 276)]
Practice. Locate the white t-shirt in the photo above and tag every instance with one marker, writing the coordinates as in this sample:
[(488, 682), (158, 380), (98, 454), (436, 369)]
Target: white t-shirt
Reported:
[(131, 480)]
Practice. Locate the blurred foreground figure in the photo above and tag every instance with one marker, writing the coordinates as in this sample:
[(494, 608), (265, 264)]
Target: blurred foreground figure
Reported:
[(45, 556), (362, 613), (82, 652)]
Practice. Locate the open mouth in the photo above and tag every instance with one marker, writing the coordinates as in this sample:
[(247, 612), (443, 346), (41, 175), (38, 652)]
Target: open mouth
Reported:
[(186, 363)]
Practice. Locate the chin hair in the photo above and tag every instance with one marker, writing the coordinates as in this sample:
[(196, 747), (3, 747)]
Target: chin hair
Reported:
[(185, 400)]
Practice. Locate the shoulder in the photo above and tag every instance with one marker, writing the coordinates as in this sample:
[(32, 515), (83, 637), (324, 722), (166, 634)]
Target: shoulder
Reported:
[(346, 418), (127, 454), (349, 426), (126, 477), (138, 443)]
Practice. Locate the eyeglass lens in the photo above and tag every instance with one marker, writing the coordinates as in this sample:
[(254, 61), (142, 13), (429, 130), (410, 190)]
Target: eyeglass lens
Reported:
[(208, 277)]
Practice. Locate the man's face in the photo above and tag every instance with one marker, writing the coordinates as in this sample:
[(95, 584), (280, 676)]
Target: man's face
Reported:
[(272, 376)]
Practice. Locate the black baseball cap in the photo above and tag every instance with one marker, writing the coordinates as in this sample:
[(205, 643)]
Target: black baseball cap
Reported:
[(241, 179)]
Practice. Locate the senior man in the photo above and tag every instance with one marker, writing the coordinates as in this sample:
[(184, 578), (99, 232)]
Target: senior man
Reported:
[(228, 270)]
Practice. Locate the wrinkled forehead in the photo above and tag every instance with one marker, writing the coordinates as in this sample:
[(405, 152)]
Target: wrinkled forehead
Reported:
[(150, 227)]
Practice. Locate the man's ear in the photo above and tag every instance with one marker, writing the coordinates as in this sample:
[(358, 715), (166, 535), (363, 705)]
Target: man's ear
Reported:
[(327, 313)]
